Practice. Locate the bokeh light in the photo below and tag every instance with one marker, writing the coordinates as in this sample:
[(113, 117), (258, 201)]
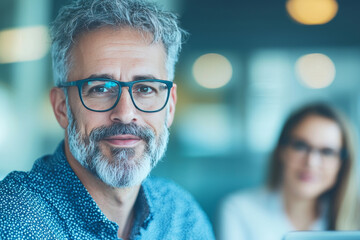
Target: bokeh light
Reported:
[(315, 70), (24, 44), (212, 70), (312, 12)]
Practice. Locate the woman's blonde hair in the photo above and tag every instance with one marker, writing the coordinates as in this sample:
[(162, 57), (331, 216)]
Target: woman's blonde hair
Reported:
[(343, 196)]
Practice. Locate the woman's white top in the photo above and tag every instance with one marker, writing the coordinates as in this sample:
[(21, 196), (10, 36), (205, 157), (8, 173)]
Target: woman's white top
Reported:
[(257, 215)]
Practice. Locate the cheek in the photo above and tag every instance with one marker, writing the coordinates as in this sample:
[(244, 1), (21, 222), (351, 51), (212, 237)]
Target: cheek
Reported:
[(87, 120), (156, 121), (331, 173), (290, 171), (289, 168)]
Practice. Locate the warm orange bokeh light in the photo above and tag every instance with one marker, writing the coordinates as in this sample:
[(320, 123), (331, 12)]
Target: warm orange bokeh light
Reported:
[(312, 12)]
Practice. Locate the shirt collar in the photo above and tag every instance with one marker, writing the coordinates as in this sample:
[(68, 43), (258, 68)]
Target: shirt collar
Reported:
[(72, 200), (143, 210)]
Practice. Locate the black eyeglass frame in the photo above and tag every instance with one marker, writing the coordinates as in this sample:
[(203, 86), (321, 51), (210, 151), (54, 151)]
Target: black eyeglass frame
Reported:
[(79, 84), (342, 153)]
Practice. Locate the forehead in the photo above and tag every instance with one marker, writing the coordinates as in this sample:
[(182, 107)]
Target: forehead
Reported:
[(319, 131), (116, 52)]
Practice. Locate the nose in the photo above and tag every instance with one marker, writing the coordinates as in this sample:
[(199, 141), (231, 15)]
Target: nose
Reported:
[(313, 159), (125, 111)]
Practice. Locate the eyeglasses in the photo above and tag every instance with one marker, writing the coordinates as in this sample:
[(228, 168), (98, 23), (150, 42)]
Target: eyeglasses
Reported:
[(101, 94), (302, 149)]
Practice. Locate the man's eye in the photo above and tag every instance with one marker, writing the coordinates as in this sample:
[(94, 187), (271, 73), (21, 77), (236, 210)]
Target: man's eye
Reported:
[(144, 89), (101, 90), (98, 89)]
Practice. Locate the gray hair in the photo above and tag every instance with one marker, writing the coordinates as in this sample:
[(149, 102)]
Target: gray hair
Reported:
[(86, 15)]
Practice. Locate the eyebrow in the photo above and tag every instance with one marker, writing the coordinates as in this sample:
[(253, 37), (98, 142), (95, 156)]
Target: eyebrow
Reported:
[(135, 78), (106, 76), (303, 140), (142, 77)]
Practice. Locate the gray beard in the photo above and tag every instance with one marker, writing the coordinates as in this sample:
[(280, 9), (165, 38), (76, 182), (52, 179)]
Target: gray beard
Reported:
[(123, 168)]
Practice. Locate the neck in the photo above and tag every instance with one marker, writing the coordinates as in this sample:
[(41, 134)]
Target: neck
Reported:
[(302, 212), (117, 204)]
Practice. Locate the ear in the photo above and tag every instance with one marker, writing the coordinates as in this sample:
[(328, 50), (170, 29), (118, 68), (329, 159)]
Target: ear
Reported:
[(172, 103), (58, 102)]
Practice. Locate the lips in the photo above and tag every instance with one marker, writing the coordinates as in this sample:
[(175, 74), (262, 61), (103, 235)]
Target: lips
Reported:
[(307, 177), (123, 140)]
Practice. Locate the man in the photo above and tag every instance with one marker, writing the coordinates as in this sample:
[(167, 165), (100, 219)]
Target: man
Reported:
[(114, 64)]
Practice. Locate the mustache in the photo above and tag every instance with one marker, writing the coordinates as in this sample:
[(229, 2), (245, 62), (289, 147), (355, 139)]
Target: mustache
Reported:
[(98, 134)]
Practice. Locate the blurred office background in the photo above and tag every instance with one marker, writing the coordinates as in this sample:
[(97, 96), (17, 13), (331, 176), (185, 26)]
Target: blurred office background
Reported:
[(245, 65)]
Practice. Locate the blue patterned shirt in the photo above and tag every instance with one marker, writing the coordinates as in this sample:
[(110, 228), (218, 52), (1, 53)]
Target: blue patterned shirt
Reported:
[(50, 202)]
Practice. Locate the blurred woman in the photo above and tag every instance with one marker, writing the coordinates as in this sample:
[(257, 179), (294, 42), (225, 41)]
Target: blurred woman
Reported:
[(311, 183)]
